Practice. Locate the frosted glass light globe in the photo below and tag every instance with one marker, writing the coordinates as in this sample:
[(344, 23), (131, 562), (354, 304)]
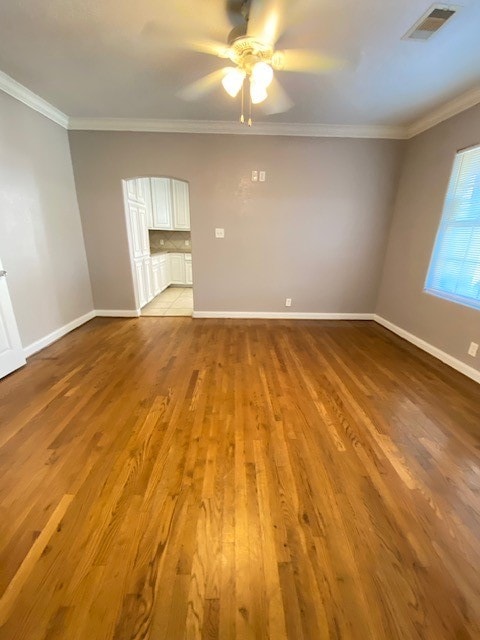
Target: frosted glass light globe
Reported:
[(233, 80), (262, 74), (258, 93)]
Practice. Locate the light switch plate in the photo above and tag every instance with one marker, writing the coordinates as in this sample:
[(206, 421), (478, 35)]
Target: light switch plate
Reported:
[(254, 176), (262, 176), (473, 349), (219, 233)]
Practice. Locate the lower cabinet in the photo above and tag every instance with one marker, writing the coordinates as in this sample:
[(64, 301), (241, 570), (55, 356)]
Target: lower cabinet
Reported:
[(147, 269), (156, 278), (188, 268), (165, 277), (144, 280), (160, 271), (177, 268)]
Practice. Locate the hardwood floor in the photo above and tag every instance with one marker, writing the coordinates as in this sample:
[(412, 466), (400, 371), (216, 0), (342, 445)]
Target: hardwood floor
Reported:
[(170, 478)]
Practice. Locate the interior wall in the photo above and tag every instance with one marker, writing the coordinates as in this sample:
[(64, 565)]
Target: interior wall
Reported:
[(41, 241), (315, 231), (423, 184)]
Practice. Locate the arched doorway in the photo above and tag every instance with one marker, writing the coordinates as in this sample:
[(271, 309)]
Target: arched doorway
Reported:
[(158, 222)]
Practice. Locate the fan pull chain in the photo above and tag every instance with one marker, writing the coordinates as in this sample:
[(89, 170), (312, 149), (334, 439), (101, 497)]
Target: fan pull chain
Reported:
[(242, 117), (250, 112)]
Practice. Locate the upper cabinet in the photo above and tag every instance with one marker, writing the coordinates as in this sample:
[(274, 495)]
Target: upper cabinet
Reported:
[(161, 203), (170, 204), (181, 205)]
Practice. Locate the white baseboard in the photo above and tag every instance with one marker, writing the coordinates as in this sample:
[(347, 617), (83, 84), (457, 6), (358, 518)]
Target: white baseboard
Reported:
[(460, 366), (57, 334), (282, 315), (117, 313), (38, 345)]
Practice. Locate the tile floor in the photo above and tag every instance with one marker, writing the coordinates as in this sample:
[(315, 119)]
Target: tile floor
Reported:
[(174, 301)]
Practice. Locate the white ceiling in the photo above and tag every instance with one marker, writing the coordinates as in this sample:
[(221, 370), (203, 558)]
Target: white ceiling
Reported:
[(124, 59)]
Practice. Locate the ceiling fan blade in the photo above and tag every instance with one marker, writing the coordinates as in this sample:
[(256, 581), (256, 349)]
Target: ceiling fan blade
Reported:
[(202, 86), (278, 100), (305, 61), (207, 46), (154, 34), (266, 20)]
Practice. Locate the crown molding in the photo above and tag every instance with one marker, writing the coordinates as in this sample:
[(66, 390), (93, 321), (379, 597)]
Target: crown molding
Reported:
[(21, 93), (235, 128), (438, 115), (444, 112)]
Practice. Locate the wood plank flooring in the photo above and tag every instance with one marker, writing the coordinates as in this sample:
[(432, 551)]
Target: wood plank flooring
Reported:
[(169, 478)]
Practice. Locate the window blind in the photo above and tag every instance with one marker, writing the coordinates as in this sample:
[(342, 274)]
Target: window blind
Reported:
[(454, 271)]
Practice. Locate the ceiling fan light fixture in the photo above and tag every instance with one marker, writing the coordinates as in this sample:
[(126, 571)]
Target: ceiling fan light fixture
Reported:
[(262, 74), (233, 80), (258, 92)]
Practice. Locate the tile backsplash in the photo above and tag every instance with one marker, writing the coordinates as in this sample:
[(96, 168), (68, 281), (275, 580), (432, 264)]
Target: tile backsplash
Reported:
[(172, 240)]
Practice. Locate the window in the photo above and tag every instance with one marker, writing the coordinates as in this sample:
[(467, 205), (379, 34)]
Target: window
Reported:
[(454, 271)]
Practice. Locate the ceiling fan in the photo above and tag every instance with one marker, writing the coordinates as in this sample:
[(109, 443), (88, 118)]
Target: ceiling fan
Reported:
[(258, 24)]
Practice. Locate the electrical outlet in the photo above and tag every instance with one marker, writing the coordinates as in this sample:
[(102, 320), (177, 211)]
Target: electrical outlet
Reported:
[(219, 233), (162, 242), (288, 302), (187, 243), (473, 349), (254, 176), (262, 176)]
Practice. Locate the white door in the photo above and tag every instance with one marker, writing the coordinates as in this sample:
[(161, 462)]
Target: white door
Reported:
[(11, 351), (162, 203), (181, 205)]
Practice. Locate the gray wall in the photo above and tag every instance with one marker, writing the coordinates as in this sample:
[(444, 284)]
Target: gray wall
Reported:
[(41, 241), (315, 231), (423, 185)]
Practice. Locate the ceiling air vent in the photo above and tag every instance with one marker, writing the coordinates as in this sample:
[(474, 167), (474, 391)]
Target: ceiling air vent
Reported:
[(431, 22)]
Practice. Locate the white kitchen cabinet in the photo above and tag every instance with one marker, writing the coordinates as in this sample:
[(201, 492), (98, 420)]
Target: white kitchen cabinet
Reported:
[(143, 278), (147, 270), (148, 201), (138, 191), (160, 273), (139, 230), (140, 282), (170, 268), (165, 272), (181, 205), (131, 188), (188, 268), (141, 190), (170, 204), (177, 268), (156, 283), (162, 216)]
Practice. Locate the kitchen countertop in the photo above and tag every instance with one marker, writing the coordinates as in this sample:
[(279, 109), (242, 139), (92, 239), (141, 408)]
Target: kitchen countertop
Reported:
[(159, 253)]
